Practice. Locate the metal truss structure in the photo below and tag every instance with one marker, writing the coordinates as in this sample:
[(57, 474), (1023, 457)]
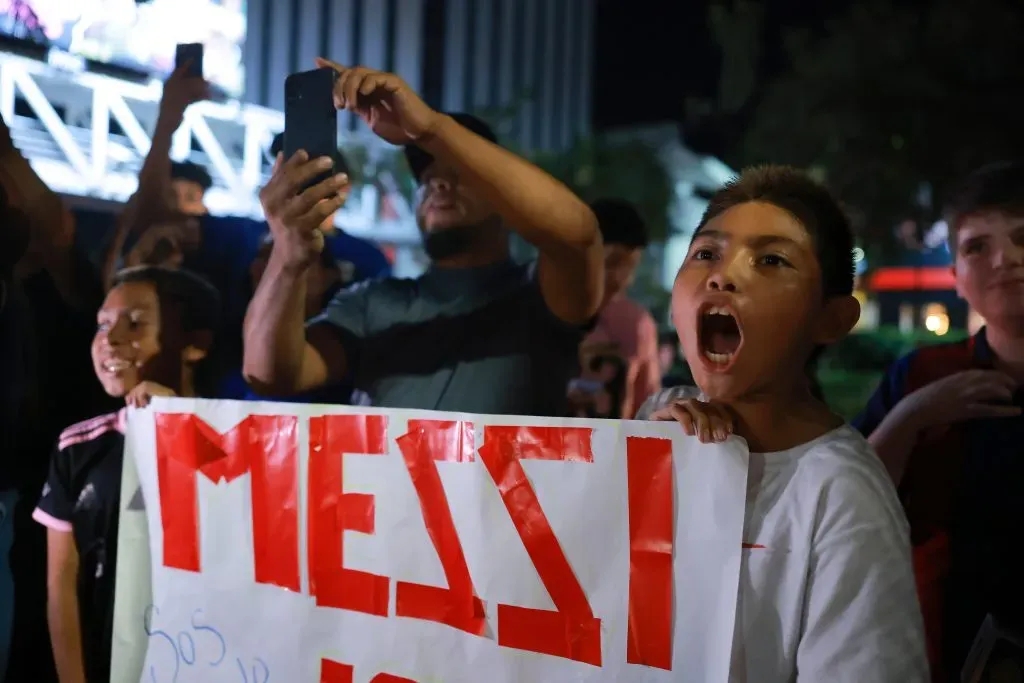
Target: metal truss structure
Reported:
[(85, 134)]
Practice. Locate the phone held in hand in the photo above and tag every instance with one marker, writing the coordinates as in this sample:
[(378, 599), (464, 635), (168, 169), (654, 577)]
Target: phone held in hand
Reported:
[(310, 119), (192, 55)]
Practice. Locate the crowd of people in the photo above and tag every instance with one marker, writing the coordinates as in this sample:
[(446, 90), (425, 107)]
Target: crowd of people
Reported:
[(873, 552)]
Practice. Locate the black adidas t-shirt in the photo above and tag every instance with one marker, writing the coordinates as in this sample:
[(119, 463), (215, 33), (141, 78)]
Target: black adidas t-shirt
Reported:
[(82, 497)]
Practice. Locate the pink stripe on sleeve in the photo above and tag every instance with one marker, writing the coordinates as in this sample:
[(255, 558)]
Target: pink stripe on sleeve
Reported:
[(83, 437), (94, 428), (50, 522), (86, 425)]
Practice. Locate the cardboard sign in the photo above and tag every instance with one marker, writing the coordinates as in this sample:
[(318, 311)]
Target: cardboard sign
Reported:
[(265, 542)]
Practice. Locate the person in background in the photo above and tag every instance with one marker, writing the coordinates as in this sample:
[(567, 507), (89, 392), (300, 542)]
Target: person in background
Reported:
[(165, 187), (50, 295), (668, 352), (323, 281), (190, 183), (597, 392), (344, 261), (153, 330), (357, 259), (165, 222), (674, 371), (826, 582), (476, 332), (169, 228), (14, 393), (947, 422), (170, 223), (622, 323)]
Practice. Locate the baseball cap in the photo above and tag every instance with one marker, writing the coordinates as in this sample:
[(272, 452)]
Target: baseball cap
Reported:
[(418, 159)]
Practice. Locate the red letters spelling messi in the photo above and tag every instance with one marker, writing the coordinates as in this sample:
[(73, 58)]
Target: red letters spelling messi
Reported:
[(266, 447)]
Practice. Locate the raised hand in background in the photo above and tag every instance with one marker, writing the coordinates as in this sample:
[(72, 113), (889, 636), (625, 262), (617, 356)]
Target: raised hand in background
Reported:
[(180, 92)]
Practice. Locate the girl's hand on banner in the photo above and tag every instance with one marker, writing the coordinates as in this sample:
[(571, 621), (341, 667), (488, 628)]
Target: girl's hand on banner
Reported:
[(142, 394)]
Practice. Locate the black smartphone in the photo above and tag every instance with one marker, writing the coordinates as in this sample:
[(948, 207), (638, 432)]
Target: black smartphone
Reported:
[(310, 119), (191, 54)]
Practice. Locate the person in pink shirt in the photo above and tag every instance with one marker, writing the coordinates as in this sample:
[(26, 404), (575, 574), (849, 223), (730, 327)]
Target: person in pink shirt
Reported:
[(624, 327)]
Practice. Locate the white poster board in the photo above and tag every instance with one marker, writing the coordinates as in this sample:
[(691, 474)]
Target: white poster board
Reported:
[(264, 542)]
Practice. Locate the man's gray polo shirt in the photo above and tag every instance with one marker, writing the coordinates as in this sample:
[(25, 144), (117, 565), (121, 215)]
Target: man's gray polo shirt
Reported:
[(478, 340)]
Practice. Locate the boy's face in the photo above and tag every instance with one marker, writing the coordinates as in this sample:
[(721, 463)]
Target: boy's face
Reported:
[(188, 197), (747, 303), (990, 266), (135, 340)]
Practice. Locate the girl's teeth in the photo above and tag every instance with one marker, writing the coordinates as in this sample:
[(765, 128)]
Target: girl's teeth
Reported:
[(720, 358)]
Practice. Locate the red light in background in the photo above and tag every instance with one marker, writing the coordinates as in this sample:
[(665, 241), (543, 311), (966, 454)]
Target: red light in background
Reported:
[(912, 279)]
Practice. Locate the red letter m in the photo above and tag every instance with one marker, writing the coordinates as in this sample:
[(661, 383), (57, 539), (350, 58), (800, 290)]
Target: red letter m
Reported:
[(262, 445)]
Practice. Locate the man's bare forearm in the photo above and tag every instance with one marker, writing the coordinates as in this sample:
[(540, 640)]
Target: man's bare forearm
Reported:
[(541, 209), (122, 227), (41, 204), (150, 197), (275, 335), (157, 166), (65, 633)]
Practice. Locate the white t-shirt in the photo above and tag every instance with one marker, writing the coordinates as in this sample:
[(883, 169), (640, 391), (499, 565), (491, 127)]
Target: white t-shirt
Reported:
[(826, 585)]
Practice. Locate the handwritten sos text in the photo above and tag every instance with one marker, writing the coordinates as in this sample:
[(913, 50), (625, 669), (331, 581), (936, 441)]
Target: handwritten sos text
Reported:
[(200, 646)]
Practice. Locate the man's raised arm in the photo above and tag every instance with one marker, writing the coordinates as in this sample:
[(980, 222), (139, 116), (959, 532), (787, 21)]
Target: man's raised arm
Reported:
[(541, 209), (51, 230), (152, 195)]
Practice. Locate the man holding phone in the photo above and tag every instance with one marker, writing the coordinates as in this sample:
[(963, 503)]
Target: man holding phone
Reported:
[(476, 332)]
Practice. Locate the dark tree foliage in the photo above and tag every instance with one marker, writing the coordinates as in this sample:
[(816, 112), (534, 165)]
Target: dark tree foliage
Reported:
[(630, 170), (889, 103), (600, 167)]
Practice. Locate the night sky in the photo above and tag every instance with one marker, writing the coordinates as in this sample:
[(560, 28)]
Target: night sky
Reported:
[(653, 54)]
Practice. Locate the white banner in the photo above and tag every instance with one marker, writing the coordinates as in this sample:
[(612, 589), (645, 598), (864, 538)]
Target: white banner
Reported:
[(480, 548)]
